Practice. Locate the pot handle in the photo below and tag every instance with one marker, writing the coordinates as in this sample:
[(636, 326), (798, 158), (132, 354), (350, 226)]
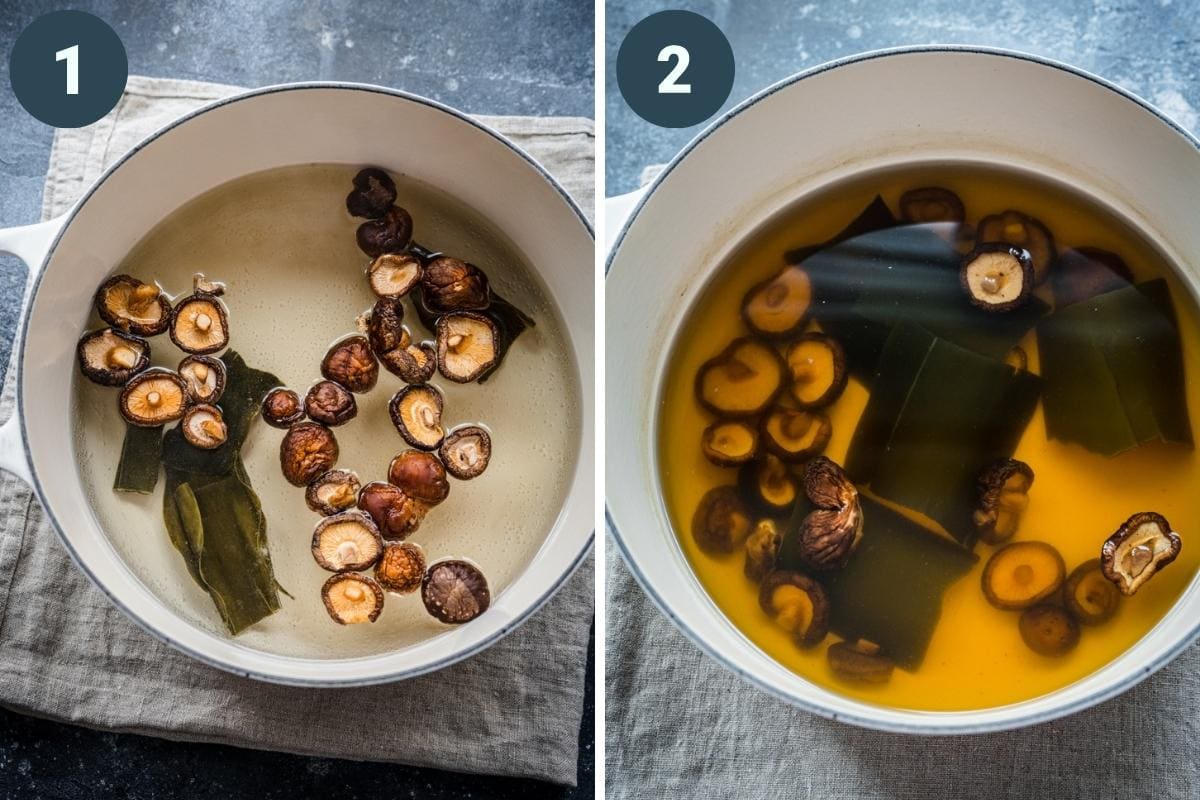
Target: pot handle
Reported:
[(31, 244), (617, 211)]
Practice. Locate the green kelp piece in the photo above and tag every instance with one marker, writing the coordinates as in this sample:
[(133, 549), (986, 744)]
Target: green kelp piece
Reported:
[(937, 414), (141, 456), (890, 591), (1113, 372), (874, 217)]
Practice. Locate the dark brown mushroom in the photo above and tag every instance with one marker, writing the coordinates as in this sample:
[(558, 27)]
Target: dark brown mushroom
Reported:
[(132, 306), (797, 604), (455, 591), (997, 276), (831, 533), (450, 284), (417, 414), (385, 326), (796, 436), (333, 492), (308, 450), (1003, 488), (466, 451), (928, 204), (346, 541), (1049, 630), (729, 443), (1089, 595), (351, 598), (153, 397), (420, 475), (742, 380), (769, 485), (394, 275), (1022, 574), (390, 233), (282, 408), (330, 403), (110, 358), (396, 514), (401, 568), (1030, 234), (200, 324), (468, 345), (1138, 550), (1017, 358), (762, 548), (372, 195), (205, 378), (859, 661), (817, 366), (722, 521), (204, 426), (351, 363), (779, 306), (415, 363)]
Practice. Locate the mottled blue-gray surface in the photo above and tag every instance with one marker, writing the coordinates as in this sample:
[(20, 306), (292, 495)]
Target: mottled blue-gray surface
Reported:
[(1151, 47), (489, 57)]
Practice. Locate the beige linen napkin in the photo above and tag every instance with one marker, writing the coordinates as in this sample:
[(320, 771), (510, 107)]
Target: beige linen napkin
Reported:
[(67, 654)]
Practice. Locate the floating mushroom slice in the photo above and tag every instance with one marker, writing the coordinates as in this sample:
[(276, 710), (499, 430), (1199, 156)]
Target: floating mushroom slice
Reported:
[(762, 548), (396, 514), (308, 450), (817, 366), (199, 324), (153, 397), (420, 475), (1138, 550), (1003, 497), (133, 306), (1027, 233), (1089, 595), (928, 204), (205, 378), (779, 306), (742, 380), (1022, 574), (330, 403), (769, 485), (401, 568), (417, 414), (859, 661), (110, 358), (795, 435), (282, 408), (797, 604), (415, 363), (390, 233), (394, 275), (346, 541), (351, 363), (728, 443), (467, 346), (333, 492), (466, 451), (204, 426), (384, 326), (455, 591), (721, 522), (997, 276), (1049, 630), (450, 284), (372, 195), (351, 599)]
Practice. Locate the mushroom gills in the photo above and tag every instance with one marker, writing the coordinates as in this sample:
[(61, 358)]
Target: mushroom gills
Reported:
[(997, 276), (200, 324), (394, 275), (205, 378), (204, 427), (110, 357), (1022, 574), (416, 412), (1136, 552), (797, 604), (1091, 598), (817, 368), (352, 599), (467, 346), (346, 541), (466, 452), (795, 436), (131, 305), (779, 306), (728, 443), (153, 397)]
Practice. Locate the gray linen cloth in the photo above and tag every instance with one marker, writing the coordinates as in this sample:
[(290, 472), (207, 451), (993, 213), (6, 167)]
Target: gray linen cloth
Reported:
[(67, 654)]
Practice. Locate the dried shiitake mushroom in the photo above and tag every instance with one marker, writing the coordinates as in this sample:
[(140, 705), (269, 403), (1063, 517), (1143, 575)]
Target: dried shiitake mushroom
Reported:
[(1017, 358), (333, 492), (308, 450), (205, 378), (769, 484), (204, 426), (394, 274), (797, 604), (372, 195), (132, 306), (455, 591), (401, 568), (415, 363), (722, 521), (1027, 233), (452, 285), (830, 534), (928, 204), (417, 414), (817, 366), (1084, 272), (468, 345), (997, 276), (1003, 488), (1137, 550), (351, 598), (465, 451), (346, 541), (742, 380), (420, 475), (1089, 595), (153, 397), (199, 324), (282, 408), (390, 233), (351, 363), (728, 443), (396, 514), (1022, 574), (779, 306), (860, 661), (796, 436), (762, 548), (1049, 630), (330, 403), (385, 326), (110, 358)]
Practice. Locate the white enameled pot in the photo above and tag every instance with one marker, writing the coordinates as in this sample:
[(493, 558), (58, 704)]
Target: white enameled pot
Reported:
[(866, 112), (263, 129)]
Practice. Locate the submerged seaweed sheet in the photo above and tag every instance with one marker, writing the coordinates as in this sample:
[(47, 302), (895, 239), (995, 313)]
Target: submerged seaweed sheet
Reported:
[(937, 414), (1113, 371), (141, 453), (876, 216)]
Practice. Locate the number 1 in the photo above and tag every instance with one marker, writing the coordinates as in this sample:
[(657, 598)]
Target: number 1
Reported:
[(682, 59), (71, 56)]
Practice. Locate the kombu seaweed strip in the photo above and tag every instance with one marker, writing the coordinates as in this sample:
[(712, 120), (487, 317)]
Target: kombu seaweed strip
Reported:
[(876, 216), (141, 454)]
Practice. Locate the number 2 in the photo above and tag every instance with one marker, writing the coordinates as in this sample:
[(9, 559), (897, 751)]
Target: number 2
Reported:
[(71, 56), (682, 59)]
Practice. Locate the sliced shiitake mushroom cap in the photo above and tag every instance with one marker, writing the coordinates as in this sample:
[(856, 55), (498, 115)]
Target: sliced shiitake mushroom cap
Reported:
[(742, 380), (1137, 550), (859, 661), (797, 604), (333, 492), (730, 442), (1024, 231), (1003, 497), (351, 363), (205, 378), (110, 358), (204, 426), (346, 541), (384, 325), (199, 324), (307, 451), (466, 451), (396, 514), (282, 408), (153, 397), (394, 274), (330, 403), (997, 276), (817, 366), (779, 306), (796, 435), (468, 345), (455, 591), (351, 598), (927, 204), (1049, 630), (415, 363), (450, 284), (401, 568), (1022, 574), (1084, 272), (417, 414), (762, 548), (1089, 595), (390, 233), (769, 485), (420, 475), (133, 306), (722, 521), (372, 195)]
